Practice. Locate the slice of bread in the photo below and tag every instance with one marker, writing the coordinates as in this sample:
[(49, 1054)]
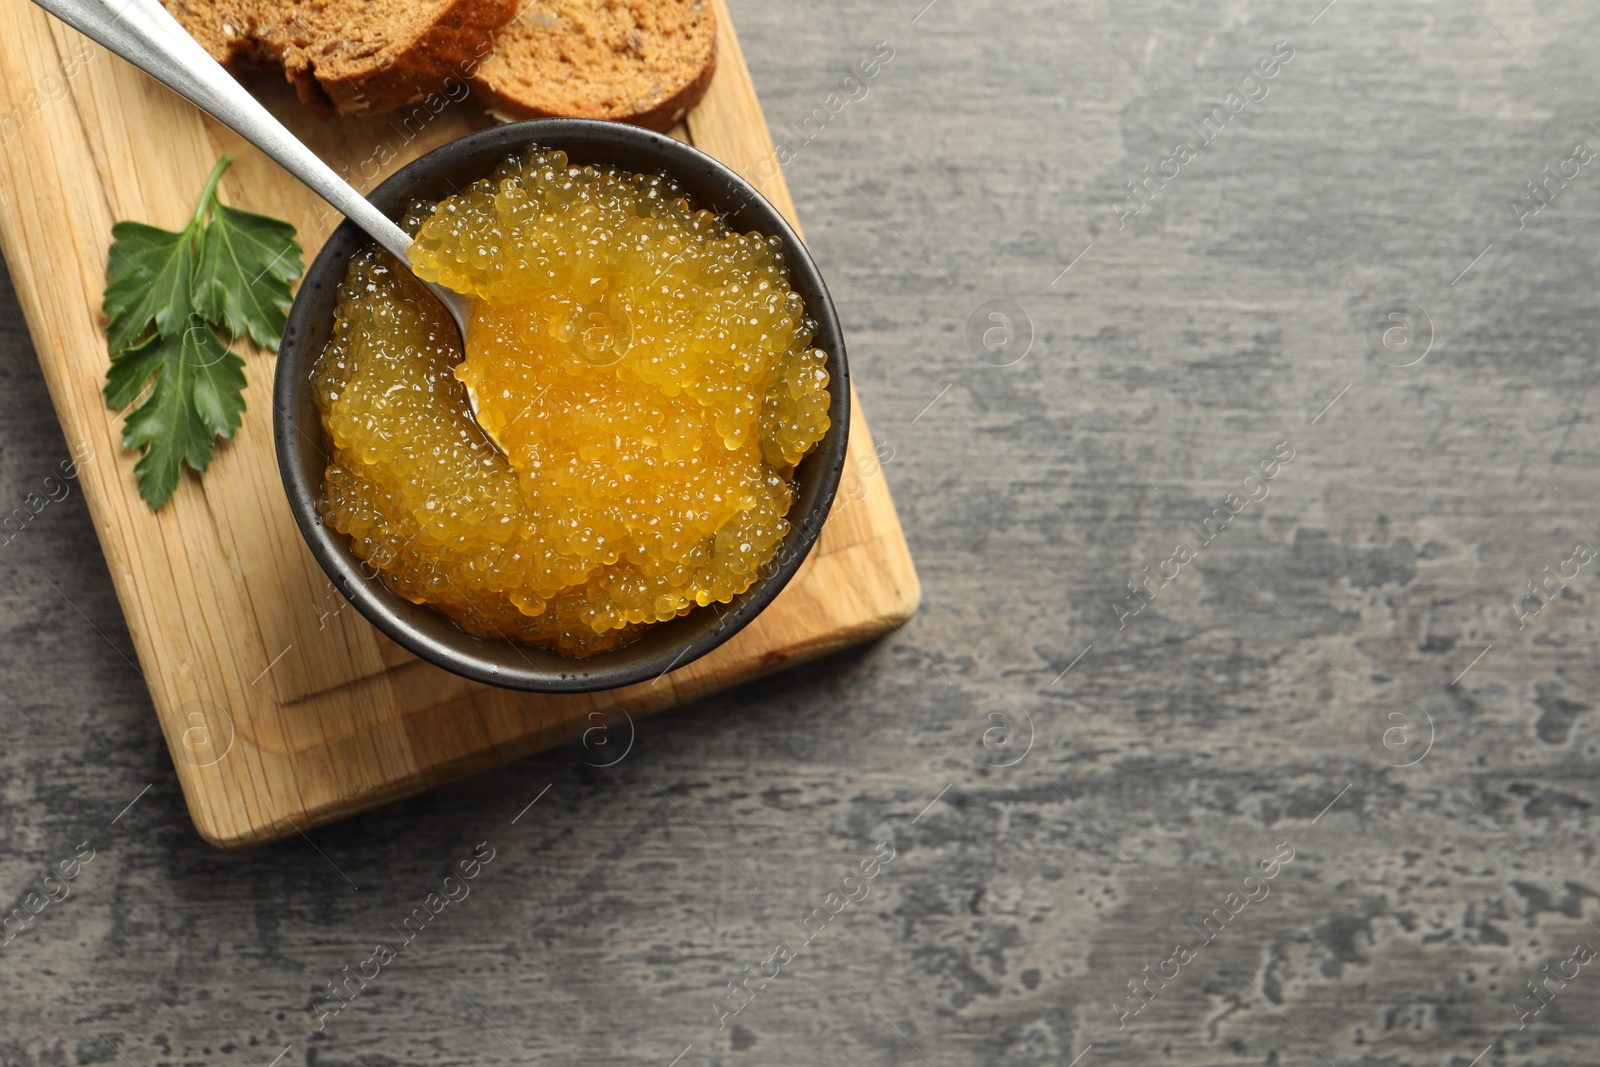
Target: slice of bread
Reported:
[(647, 62), (351, 56)]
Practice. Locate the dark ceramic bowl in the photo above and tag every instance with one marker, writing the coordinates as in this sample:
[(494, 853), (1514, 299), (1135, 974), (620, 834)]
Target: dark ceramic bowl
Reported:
[(303, 459)]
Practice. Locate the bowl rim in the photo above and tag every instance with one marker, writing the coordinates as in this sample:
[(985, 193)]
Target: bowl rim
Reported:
[(458, 651)]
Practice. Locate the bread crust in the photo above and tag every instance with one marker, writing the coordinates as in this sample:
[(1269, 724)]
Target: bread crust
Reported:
[(330, 74), (662, 117)]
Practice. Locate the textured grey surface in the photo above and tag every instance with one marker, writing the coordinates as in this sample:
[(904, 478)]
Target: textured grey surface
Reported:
[(1341, 668)]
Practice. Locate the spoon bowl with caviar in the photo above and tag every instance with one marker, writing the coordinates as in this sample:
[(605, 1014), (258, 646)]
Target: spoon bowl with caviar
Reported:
[(561, 407)]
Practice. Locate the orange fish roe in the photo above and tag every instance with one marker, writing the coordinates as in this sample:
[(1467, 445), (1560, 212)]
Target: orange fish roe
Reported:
[(647, 371)]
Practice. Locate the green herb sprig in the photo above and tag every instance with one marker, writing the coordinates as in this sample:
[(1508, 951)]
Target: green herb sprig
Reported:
[(176, 301)]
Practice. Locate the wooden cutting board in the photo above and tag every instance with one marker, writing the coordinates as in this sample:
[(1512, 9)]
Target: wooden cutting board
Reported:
[(282, 708)]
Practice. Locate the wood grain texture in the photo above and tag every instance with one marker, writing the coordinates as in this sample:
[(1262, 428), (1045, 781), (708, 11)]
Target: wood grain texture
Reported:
[(282, 707), (1181, 748)]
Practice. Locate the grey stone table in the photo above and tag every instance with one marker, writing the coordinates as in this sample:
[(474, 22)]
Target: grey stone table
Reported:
[(1239, 388)]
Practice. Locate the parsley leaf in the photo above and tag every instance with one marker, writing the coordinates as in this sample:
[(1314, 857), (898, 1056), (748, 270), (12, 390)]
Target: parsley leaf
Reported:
[(168, 296), (198, 396), (246, 264), (149, 278)]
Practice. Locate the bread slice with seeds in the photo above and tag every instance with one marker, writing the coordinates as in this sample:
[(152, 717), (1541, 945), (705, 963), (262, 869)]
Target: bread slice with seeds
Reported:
[(350, 56), (646, 62)]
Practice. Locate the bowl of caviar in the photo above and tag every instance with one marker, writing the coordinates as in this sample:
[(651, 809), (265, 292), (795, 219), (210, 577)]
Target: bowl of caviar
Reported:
[(632, 454)]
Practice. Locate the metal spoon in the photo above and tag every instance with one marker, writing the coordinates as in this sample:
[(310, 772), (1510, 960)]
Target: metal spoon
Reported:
[(143, 33)]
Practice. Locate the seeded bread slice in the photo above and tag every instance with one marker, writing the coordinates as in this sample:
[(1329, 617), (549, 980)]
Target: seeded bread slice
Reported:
[(646, 62), (351, 56)]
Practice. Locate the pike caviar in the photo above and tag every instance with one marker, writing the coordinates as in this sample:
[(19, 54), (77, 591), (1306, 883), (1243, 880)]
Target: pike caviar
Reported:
[(647, 371)]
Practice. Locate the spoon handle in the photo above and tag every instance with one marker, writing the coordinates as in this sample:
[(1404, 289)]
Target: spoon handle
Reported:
[(143, 33)]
